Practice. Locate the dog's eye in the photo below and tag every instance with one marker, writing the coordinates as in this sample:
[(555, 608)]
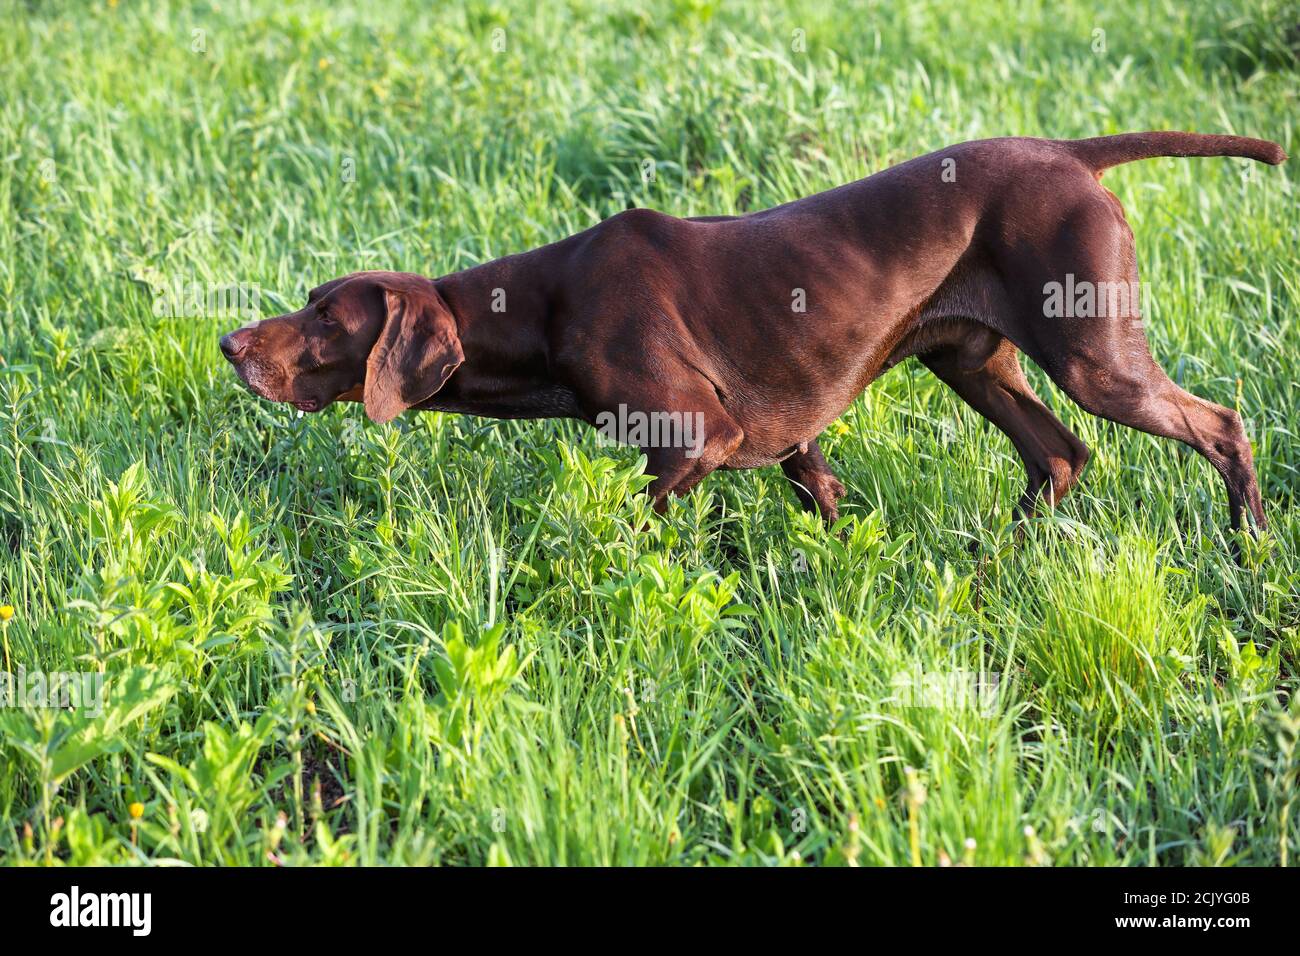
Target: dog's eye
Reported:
[(326, 318)]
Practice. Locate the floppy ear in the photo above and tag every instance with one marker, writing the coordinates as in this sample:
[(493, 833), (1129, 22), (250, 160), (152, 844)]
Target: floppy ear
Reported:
[(417, 350)]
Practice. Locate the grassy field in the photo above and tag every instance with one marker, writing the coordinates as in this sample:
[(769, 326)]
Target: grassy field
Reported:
[(446, 640)]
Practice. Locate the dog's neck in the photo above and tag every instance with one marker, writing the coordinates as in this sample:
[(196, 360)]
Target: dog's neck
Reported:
[(501, 310), (508, 295)]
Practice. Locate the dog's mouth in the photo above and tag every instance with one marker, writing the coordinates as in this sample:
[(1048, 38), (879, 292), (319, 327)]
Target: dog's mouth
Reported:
[(271, 384), (266, 385)]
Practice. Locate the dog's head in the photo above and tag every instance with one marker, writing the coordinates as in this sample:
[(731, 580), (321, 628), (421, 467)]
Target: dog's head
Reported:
[(385, 338)]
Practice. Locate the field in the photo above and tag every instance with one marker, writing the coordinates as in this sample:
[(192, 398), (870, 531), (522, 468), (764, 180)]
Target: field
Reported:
[(460, 641)]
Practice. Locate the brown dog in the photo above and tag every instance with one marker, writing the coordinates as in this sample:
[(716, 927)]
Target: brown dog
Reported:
[(731, 342)]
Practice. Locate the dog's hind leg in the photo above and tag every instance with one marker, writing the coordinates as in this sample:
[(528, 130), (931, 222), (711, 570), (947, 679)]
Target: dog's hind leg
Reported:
[(814, 484), (1144, 398), (1100, 358), (995, 386)]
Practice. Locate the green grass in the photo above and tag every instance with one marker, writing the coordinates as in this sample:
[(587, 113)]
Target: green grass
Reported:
[(448, 640)]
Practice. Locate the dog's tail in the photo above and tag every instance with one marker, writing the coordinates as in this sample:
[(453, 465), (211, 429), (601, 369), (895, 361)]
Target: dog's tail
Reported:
[(1103, 152)]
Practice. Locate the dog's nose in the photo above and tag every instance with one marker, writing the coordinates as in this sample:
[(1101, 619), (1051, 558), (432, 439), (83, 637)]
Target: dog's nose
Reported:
[(234, 344)]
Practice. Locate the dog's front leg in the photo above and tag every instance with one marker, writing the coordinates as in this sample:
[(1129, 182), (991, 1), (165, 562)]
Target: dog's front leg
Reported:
[(814, 484), (685, 433)]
